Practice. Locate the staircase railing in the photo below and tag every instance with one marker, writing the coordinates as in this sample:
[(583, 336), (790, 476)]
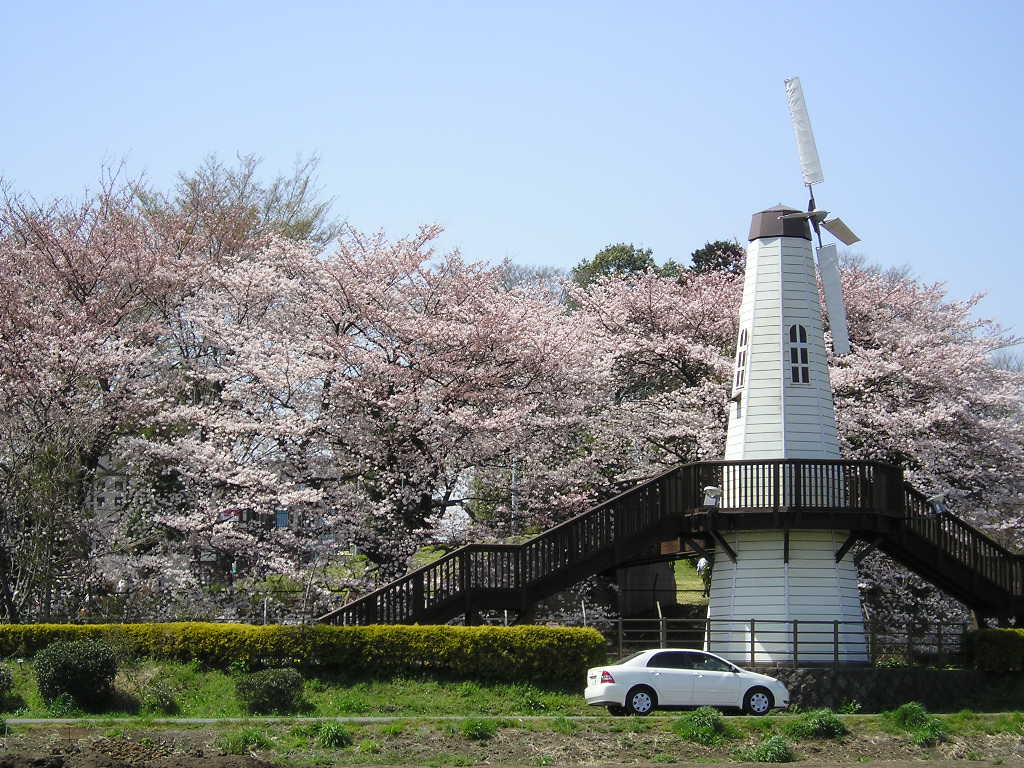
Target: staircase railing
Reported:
[(965, 544), (451, 584), (477, 568)]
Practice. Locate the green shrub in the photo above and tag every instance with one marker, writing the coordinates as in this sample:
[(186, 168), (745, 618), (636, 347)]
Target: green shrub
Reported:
[(478, 728), (6, 681), (81, 669), (545, 655), (241, 741), (332, 735), (774, 749), (994, 650), (816, 724), (271, 690), (704, 725)]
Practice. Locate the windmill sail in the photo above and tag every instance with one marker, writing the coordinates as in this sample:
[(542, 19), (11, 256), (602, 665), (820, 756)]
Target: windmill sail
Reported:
[(838, 229), (810, 165), (828, 269)]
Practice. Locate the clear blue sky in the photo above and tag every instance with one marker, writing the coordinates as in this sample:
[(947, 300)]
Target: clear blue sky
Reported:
[(544, 131)]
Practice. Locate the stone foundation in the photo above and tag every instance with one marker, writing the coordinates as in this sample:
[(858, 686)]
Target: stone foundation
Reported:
[(940, 690)]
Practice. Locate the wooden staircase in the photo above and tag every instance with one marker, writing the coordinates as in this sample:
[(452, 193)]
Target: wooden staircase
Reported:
[(869, 499)]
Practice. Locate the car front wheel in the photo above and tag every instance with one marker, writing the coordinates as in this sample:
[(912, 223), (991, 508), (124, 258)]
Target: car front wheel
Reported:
[(641, 701), (758, 701)]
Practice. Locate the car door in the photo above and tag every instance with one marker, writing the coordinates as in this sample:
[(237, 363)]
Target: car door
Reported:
[(714, 681), (671, 677)]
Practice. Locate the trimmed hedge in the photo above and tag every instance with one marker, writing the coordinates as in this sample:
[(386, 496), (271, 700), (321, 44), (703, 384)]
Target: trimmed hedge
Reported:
[(553, 655), (995, 650)]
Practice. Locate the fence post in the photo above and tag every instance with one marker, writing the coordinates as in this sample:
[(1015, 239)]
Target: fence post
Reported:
[(835, 643), (662, 633), (796, 641), (910, 643), (753, 624), (938, 644), (620, 637)]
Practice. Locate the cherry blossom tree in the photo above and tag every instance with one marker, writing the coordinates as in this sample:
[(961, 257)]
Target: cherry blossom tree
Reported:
[(75, 362), (923, 390), (357, 390)]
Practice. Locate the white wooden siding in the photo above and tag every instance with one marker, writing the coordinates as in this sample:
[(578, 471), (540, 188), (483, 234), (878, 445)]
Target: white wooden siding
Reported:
[(777, 418), (811, 587)]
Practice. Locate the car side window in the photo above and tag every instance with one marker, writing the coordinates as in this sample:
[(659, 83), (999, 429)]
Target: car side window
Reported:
[(670, 660), (711, 664)]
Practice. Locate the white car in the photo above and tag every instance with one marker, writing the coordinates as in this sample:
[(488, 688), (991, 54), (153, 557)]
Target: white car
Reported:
[(681, 677)]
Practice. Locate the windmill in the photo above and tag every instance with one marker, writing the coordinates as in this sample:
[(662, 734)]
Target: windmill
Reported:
[(828, 259), (782, 450)]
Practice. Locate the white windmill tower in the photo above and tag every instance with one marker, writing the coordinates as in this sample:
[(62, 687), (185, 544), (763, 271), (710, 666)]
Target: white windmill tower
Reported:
[(782, 409)]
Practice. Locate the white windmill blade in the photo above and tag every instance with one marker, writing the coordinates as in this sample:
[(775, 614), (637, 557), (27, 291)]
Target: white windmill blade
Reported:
[(838, 229), (810, 165), (828, 268), (816, 215)]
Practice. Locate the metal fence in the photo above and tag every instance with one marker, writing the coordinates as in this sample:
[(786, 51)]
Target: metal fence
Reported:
[(799, 642)]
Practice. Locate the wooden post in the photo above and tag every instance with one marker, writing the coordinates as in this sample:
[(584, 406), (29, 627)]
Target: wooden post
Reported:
[(753, 650), (620, 637), (662, 633), (835, 643), (938, 644), (796, 641), (418, 601), (466, 584)]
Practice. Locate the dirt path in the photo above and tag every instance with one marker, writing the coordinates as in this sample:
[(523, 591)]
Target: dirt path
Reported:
[(609, 744)]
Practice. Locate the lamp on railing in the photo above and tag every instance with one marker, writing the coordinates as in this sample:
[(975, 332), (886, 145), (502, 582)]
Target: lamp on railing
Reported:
[(712, 495), (937, 504)]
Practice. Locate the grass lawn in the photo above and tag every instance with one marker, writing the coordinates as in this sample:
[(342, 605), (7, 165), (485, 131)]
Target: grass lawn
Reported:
[(689, 586), (211, 693)]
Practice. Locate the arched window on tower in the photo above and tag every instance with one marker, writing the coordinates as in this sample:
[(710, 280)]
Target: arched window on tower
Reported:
[(741, 360), (741, 373), (799, 366)]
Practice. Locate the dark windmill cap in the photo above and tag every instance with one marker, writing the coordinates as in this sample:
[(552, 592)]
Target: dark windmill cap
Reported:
[(768, 224)]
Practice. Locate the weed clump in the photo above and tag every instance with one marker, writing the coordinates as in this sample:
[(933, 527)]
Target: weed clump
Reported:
[(159, 695), (333, 735), (6, 682), (271, 690), (478, 728), (705, 725), (816, 724), (925, 730), (82, 670), (774, 749), (243, 740)]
